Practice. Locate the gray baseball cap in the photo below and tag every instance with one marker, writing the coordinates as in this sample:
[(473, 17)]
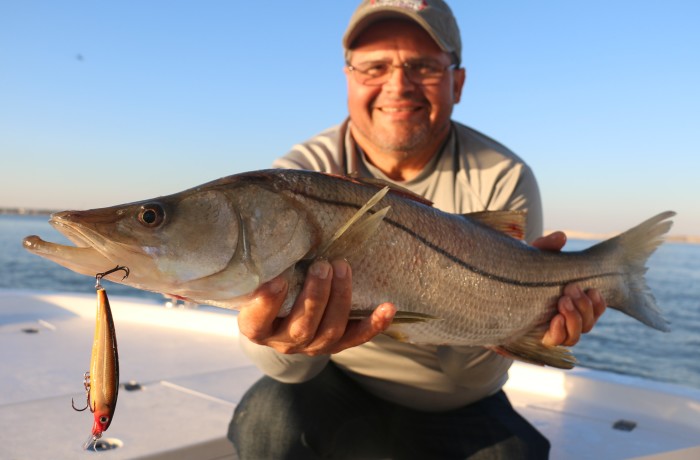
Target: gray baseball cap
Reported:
[(432, 15)]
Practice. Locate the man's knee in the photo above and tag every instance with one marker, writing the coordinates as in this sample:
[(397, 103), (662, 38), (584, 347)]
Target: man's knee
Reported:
[(262, 416)]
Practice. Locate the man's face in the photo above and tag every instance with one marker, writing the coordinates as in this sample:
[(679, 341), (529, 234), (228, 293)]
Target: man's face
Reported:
[(401, 116)]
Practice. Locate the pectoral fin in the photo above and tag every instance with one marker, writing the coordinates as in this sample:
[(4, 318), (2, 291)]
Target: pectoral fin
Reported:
[(357, 230), (530, 349)]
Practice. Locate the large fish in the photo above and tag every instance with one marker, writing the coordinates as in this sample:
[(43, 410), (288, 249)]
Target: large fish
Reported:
[(454, 279)]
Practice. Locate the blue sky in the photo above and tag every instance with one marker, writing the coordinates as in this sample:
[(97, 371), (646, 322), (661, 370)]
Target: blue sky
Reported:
[(105, 102)]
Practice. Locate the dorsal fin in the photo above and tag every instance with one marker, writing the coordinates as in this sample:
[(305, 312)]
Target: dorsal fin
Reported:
[(511, 223)]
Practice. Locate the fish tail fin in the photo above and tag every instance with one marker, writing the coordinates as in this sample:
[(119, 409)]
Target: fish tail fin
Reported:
[(634, 247), (530, 349)]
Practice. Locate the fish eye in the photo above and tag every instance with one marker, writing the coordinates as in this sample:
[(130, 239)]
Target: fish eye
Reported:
[(151, 215), (104, 419)]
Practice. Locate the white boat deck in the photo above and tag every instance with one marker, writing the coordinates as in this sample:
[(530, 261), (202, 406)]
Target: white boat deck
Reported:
[(191, 375)]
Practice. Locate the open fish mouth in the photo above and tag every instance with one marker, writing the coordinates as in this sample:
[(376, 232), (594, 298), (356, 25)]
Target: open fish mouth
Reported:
[(80, 259), (83, 258)]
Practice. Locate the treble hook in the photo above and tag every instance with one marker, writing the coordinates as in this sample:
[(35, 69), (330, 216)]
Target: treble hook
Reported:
[(72, 403), (99, 276), (86, 384)]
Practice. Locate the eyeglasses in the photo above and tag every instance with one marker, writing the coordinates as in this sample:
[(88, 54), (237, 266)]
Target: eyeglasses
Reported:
[(375, 73)]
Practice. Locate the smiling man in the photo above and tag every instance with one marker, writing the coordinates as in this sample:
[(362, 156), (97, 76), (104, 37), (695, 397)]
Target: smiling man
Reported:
[(401, 88), (336, 388)]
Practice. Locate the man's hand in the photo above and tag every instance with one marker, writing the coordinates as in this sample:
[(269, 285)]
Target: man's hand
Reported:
[(318, 322), (578, 310)]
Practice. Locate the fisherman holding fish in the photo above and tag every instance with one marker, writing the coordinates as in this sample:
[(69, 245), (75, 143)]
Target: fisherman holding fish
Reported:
[(336, 388), (378, 271)]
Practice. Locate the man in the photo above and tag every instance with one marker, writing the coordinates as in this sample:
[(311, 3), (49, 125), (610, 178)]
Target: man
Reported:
[(340, 389)]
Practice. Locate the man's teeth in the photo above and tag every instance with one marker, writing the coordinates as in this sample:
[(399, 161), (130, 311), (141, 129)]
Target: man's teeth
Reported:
[(398, 109)]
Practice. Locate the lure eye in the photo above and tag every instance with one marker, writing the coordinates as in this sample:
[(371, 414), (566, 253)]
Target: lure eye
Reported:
[(151, 215), (104, 419)]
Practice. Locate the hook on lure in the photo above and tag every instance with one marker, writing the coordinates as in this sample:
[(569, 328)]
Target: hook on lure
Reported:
[(86, 383), (99, 276)]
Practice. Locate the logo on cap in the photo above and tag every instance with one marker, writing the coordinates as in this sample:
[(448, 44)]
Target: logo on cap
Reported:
[(415, 5)]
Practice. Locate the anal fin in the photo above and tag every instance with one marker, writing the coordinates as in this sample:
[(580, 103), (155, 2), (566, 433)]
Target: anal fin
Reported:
[(530, 349)]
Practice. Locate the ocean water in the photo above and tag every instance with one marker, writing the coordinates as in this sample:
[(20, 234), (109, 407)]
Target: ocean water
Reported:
[(617, 343)]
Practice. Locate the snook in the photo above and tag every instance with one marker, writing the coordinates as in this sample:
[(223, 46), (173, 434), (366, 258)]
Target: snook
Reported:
[(454, 279)]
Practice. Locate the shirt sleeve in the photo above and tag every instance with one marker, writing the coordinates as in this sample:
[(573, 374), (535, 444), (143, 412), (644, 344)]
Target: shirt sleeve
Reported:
[(323, 153), (526, 196), (495, 178), (292, 368)]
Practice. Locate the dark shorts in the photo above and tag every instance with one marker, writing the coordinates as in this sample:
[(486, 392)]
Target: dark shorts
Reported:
[(331, 416)]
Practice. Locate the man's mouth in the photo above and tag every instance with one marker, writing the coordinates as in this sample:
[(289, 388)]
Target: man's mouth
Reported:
[(399, 109)]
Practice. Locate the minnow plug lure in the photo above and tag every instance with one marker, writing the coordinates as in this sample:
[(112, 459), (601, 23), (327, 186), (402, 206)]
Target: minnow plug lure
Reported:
[(102, 381)]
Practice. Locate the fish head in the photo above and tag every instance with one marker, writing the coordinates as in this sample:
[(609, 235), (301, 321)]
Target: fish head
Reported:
[(170, 244), (101, 422)]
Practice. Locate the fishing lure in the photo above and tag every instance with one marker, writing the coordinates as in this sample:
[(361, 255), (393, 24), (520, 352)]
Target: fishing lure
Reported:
[(102, 381)]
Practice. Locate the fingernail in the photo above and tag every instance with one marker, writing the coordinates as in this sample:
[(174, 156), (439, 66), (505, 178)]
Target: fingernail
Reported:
[(276, 285), (567, 304), (387, 312), (574, 292), (340, 269), (320, 269)]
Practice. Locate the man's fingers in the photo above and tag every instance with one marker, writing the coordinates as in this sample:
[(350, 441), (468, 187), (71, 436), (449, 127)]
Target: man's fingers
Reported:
[(256, 320), (335, 318), (552, 242), (308, 310), (583, 305), (359, 332), (599, 304), (572, 321), (578, 313), (556, 334)]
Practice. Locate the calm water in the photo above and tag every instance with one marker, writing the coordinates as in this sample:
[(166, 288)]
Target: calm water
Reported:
[(618, 343)]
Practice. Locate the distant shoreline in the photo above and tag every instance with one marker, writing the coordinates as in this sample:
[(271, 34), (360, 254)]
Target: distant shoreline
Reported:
[(26, 211), (571, 234)]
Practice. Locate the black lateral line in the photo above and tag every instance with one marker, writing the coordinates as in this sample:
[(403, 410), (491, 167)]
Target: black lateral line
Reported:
[(462, 263)]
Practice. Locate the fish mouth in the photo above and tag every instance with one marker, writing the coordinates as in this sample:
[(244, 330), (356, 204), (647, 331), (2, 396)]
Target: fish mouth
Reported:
[(83, 260), (87, 257), (78, 235)]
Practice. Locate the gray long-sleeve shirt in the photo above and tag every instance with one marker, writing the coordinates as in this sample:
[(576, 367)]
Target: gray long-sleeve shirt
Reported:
[(470, 173)]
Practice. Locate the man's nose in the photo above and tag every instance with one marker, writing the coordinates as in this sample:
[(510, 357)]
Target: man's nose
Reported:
[(398, 79)]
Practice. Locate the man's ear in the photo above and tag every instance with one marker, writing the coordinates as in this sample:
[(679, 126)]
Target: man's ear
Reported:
[(459, 77)]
